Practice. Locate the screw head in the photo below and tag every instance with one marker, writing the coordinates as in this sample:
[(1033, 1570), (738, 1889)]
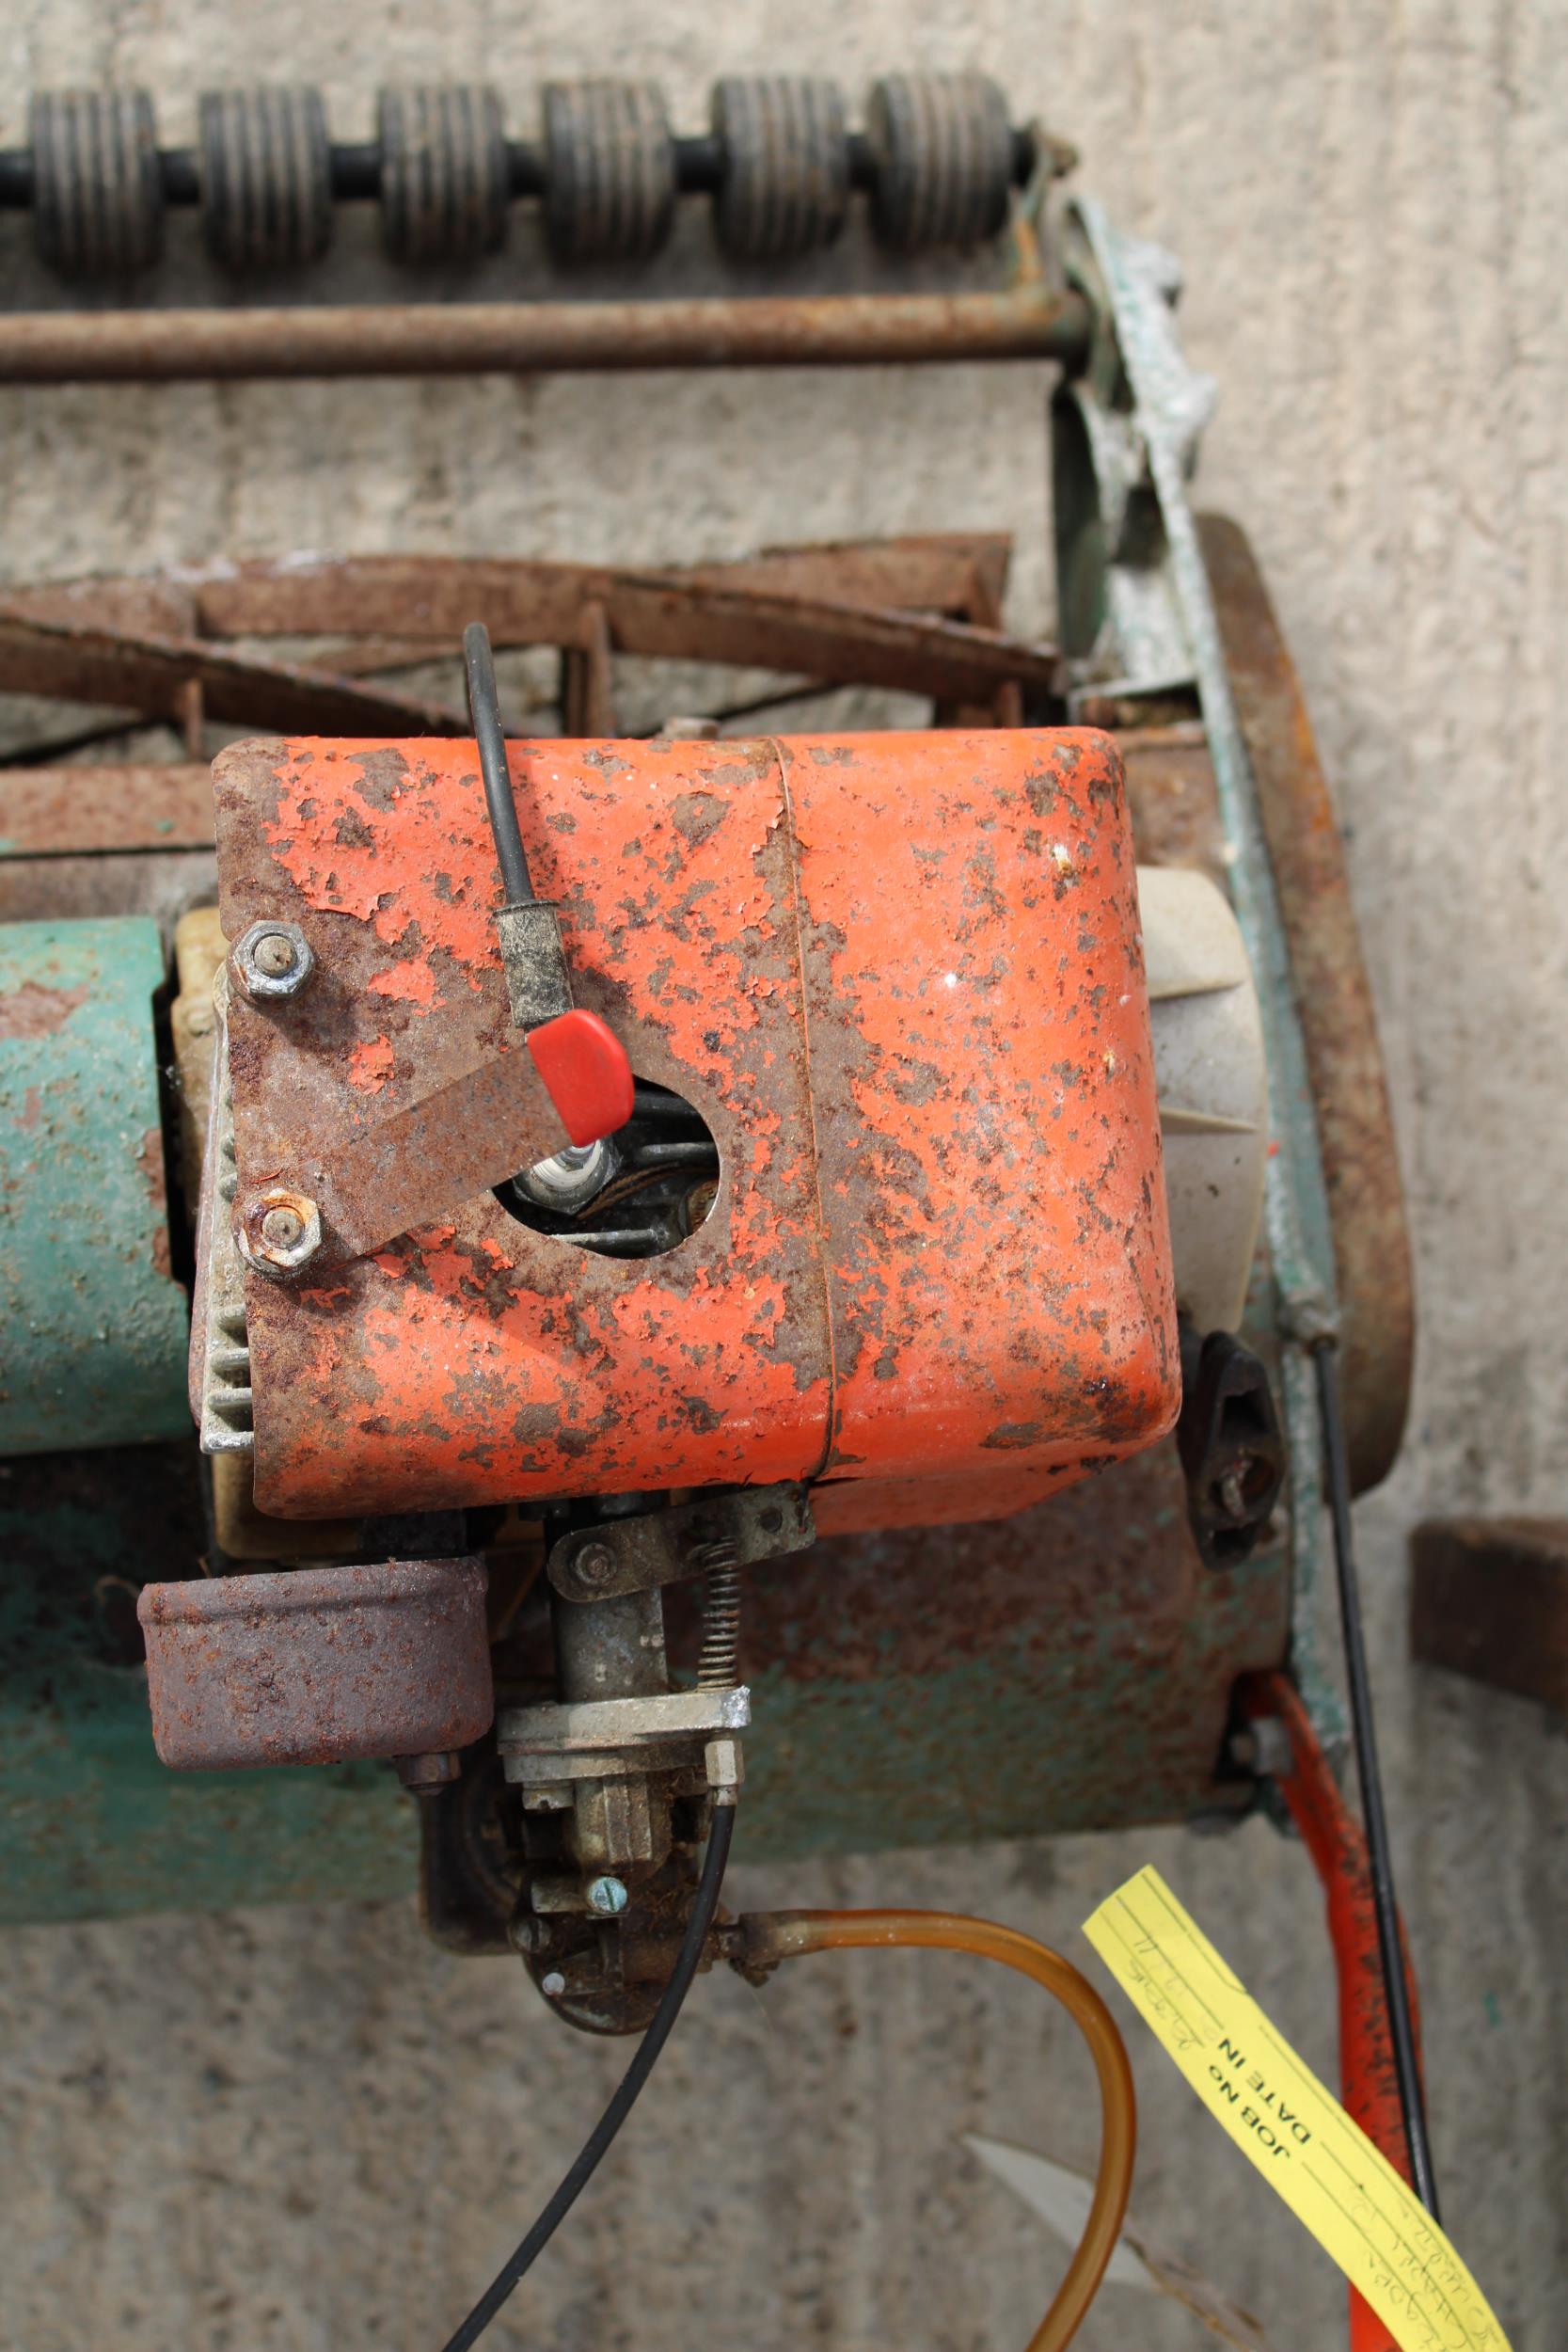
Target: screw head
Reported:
[(608, 1896), (272, 960), (280, 1232), (553, 1985), (592, 1564)]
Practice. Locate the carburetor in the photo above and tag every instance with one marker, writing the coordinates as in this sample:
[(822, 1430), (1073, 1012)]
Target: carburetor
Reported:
[(789, 1164)]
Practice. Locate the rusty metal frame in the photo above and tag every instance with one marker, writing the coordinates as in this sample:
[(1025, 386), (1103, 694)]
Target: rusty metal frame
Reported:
[(825, 614), (1028, 317), (1023, 322)]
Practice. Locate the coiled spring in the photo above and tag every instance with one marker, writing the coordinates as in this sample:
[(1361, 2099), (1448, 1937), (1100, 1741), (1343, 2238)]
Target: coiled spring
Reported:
[(719, 1664)]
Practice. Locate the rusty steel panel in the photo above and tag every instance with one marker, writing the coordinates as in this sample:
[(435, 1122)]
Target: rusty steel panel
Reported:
[(317, 1665), (54, 811), (965, 1157), (1028, 321), (1365, 1199), (156, 882)]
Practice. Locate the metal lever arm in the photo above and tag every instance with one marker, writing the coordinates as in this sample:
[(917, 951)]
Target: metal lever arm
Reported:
[(568, 1082)]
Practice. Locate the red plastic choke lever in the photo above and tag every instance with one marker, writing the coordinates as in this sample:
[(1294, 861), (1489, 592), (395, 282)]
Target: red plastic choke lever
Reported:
[(584, 1067)]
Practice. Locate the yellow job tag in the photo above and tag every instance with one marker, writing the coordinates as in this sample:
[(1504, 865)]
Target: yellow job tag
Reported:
[(1300, 2138)]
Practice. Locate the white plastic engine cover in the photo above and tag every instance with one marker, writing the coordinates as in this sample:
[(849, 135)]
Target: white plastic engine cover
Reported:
[(1212, 1084)]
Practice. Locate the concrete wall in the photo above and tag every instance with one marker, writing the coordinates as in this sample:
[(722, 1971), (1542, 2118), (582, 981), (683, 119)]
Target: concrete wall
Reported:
[(305, 2129)]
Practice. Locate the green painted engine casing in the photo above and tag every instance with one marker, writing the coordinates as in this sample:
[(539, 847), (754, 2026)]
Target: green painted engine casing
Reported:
[(93, 1326), (1068, 1670)]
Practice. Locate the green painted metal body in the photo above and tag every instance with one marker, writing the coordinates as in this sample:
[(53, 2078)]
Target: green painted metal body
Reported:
[(1087, 1688), (91, 1825), (92, 1325)]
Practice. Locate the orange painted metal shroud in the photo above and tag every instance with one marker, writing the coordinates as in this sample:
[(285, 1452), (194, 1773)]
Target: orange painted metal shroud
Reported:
[(901, 978)]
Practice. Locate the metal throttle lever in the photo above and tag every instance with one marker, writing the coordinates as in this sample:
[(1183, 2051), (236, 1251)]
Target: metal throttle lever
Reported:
[(568, 1081), (538, 984)]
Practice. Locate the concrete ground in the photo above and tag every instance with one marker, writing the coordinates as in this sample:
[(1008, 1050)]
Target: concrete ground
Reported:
[(305, 2129)]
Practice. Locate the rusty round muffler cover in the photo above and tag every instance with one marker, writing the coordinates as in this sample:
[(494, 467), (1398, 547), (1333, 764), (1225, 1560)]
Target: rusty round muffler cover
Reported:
[(318, 1665)]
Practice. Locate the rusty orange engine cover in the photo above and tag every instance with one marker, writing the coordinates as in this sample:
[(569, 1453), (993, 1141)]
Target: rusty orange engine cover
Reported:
[(900, 977)]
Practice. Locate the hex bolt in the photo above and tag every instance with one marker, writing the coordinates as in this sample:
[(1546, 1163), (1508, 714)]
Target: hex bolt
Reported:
[(1264, 1747), (272, 960), (280, 1232), (608, 1896)]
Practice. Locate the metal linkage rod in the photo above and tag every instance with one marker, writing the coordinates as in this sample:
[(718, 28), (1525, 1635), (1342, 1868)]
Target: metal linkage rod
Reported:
[(1390, 1952), (538, 338)]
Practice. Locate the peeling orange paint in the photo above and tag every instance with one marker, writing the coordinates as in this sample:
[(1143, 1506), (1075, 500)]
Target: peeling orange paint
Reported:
[(371, 1063), (411, 982)]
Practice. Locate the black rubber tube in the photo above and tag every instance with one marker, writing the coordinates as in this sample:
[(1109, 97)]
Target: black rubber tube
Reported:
[(485, 715), (1390, 1952), (705, 1904)]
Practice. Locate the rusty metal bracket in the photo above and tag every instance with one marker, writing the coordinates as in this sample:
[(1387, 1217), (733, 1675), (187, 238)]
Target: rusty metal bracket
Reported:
[(692, 1540), (1131, 286)]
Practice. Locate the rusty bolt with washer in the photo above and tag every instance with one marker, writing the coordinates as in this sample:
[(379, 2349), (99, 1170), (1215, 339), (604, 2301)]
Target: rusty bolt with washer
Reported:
[(280, 1232), (271, 961)]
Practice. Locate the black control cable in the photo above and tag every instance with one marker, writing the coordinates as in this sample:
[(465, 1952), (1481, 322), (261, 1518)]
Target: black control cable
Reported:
[(484, 717), (1396, 1983), (703, 1907)]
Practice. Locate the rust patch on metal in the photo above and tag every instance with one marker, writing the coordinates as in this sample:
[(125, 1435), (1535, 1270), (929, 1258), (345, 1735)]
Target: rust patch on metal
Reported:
[(52, 812), (33, 1011), (150, 1159), (1365, 1199)]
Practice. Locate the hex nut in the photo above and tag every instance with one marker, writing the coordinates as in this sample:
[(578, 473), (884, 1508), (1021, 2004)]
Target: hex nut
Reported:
[(423, 1775), (725, 1760), (280, 1232), (271, 961), (1264, 1747)]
